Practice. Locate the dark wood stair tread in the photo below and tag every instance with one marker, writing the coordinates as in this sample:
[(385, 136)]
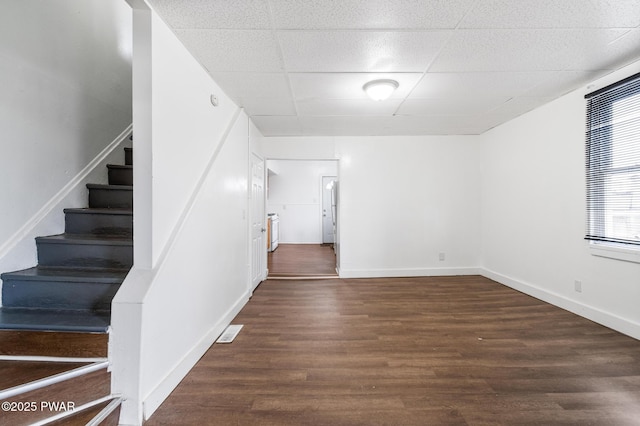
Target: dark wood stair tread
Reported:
[(54, 320), (100, 210), (107, 186), (93, 239), (39, 273)]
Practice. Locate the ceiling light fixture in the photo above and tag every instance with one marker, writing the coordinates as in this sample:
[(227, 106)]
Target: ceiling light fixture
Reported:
[(379, 90)]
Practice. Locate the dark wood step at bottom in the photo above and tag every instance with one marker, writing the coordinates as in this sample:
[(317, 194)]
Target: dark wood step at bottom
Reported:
[(77, 391), (54, 344), (54, 320), (110, 196)]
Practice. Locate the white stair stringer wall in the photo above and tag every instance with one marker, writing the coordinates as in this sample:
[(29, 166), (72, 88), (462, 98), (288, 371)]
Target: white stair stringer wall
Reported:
[(190, 273)]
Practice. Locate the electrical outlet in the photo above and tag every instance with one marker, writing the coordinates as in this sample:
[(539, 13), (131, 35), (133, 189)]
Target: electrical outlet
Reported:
[(577, 286), (441, 256)]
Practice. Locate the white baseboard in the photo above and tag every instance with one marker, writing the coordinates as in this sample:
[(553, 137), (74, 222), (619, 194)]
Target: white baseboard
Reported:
[(154, 399), (317, 243), (408, 272), (607, 319)]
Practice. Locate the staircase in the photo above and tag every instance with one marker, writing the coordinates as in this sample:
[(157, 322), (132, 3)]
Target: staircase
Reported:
[(56, 315), (78, 272)]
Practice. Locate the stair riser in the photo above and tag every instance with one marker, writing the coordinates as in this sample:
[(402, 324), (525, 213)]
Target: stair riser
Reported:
[(58, 295), (110, 198), (120, 176), (89, 223), (128, 156), (85, 255)]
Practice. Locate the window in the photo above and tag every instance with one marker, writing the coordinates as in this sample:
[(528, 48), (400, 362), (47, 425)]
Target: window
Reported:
[(613, 164)]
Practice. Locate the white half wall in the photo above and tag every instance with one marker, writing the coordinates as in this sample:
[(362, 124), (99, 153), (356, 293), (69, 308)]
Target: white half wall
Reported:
[(65, 68), (533, 215), (170, 310), (295, 194)]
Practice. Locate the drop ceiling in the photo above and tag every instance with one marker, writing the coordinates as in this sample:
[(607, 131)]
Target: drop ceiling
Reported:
[(463, 66)]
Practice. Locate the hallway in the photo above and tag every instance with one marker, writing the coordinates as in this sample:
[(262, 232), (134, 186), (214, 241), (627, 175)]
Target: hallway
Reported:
[(302, 260)]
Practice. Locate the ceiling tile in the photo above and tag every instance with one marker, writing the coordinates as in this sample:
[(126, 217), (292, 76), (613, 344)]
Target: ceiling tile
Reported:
[(256, 85), (371, 14), (562, 82), (553, 14), (278, 125), (346, 85), (614, 55), (216, 14), (523, 50), (414, 125), (451, 105), (592, 50), (351, 107), (233, 50), (360, 51), (443, 85), (340, 125), (512, 109), (267, 106)]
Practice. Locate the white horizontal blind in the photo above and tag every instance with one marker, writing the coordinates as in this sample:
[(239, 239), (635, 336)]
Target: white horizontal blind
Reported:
[(613, 163)]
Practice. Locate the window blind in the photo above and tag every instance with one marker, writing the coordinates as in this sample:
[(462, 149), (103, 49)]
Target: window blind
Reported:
[(613, 163)]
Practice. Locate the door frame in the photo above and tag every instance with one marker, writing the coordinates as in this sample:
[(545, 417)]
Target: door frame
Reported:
[(338, 212)]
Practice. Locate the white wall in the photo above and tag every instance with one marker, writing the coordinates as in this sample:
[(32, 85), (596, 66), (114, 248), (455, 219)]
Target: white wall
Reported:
[(533, 215), (65, 68), (255, 140), (295, 193), (168, 312), (403, 201)]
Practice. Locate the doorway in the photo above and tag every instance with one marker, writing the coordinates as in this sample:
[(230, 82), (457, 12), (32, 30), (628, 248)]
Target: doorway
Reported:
[(329, 209), (302, 195)]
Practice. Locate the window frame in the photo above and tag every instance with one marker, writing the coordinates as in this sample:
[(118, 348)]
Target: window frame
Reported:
[(599, 166)]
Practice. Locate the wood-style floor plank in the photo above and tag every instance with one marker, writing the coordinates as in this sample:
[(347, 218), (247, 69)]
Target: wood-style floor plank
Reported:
[(409, 351), (46, 402), (299, 260), (15, 373), (58, 344)]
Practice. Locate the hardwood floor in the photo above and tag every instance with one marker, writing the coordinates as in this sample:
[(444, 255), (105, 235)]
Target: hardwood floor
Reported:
[(46, 343), (300, 260), (79, 390), (409, 351)]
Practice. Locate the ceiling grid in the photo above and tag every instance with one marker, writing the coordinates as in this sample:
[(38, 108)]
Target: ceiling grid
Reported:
[(463, 66)]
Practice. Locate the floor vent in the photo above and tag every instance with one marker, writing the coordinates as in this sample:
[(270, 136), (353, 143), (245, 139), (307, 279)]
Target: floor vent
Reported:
[(229, 334)]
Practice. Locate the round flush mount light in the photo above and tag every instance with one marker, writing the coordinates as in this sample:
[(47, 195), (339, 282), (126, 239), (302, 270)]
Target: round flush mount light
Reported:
[(379, 90)]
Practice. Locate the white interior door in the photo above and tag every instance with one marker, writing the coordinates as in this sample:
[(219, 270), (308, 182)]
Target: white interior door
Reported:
[(258, 226), (328, 212)]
